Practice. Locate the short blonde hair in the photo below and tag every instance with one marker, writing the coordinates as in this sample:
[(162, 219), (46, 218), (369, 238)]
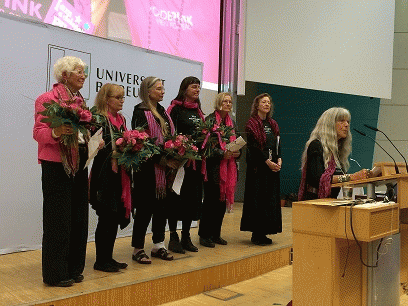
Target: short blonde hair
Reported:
[(101, 100), (219, 98), (68, 64)]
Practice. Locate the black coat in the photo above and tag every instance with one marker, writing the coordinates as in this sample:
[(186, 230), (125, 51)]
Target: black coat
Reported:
[(144, 180), (188, 205), (262, 211), (106, 185)]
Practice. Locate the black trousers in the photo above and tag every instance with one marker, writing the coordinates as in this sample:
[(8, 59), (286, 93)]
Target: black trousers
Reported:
[(105, 235), (143, 215), (65, 222), (213, 212)]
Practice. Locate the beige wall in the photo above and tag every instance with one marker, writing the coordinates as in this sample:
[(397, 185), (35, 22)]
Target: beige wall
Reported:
[(392, 118)]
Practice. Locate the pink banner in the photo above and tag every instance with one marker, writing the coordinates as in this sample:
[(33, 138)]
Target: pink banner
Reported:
[(63, 14), (185, 28)]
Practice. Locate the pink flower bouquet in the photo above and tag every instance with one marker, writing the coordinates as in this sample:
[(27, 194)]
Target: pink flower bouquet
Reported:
[(133, 148), (181, 147)]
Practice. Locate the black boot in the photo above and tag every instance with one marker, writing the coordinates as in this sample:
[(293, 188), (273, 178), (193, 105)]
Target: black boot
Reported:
[(187, 244), (174, 244)]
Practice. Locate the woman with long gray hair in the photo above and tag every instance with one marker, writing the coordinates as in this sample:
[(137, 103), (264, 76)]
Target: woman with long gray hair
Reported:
[(325, 157), (150, 196)]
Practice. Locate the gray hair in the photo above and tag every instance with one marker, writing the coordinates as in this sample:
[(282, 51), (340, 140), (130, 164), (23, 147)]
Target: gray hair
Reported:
[(145, 87), (325, 131), (219, 98), (67, 64)]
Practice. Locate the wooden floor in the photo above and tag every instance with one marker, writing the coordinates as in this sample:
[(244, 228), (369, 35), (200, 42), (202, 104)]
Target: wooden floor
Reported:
[(158, 283), (272, 288)]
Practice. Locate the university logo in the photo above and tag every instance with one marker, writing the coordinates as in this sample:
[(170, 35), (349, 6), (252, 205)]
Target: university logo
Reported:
[(56, 52)]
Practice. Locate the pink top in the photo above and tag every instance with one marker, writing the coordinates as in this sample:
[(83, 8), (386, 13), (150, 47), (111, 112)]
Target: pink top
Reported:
[(48, 147)]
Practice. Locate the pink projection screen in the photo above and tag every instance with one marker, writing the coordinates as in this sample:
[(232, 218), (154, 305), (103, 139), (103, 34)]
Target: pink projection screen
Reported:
[(184, 28)]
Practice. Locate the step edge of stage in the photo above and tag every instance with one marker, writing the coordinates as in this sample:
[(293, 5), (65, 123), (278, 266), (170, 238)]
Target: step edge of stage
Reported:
[(286, 248)]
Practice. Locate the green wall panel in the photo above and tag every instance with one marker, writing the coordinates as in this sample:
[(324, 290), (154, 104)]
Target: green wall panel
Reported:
[(297, 111)]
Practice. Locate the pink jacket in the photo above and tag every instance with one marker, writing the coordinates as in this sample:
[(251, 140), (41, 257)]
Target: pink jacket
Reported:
[(48, 147)]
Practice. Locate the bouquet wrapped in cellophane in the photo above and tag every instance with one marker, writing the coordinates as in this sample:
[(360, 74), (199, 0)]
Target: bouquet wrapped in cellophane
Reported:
[(133, 148)]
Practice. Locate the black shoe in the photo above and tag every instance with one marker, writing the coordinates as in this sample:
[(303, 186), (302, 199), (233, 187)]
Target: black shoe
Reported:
[(120, 265), (175, 245), (260, 239), (267, 240), (106, 267), (187, 244), (64, 283), (219, 240), (207, 242), (79, 278)]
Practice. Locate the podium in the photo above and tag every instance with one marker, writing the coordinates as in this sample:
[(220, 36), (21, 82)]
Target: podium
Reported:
[(388, 175), (327, 269)]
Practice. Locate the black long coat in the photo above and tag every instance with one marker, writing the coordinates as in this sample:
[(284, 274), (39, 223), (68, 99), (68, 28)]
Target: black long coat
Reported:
[(262, 211), (106, 185)]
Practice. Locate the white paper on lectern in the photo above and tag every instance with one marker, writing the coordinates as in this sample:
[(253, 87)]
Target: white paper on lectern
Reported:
[(236, 144), (93, 146)]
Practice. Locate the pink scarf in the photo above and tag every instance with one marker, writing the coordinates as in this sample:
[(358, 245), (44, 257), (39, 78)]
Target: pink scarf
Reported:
[(192, 105), (69, 155), (255, 126), (160, 171), (119, 121), (186, 104), (228, 169), (324, 183)]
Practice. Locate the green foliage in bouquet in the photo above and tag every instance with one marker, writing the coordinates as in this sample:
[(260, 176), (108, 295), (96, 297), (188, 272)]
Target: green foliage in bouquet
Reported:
[(209, 134), (134, 147)]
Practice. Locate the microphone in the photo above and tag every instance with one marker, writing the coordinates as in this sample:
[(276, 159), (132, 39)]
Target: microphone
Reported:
[(364, 134), (377, 130)]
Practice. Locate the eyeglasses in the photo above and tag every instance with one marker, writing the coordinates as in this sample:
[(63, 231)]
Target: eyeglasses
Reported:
[(118, 97), (80, 72)]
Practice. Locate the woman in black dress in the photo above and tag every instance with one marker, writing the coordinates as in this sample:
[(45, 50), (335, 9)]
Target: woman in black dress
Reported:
[(150, 196), (185, 110), (261, 213), (325, 158), (110, 183), (219, 189)]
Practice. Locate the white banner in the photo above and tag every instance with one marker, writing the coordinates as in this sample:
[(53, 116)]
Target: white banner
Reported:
[(28, 52)]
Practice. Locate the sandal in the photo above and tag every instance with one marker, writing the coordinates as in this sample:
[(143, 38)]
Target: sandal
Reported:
[(142, 258), (162, 254)]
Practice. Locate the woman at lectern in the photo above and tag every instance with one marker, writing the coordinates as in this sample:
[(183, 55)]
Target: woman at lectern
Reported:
[(325, 157), (110, 184), (185, 110), (219, 189), (151, 194), (62, 153), (261, 213)]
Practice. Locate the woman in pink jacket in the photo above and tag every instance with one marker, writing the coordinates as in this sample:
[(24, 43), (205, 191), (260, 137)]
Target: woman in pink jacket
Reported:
[(64, 181)]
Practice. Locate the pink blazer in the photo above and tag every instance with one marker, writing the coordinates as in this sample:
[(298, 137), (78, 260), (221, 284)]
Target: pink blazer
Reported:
[(48, 147)]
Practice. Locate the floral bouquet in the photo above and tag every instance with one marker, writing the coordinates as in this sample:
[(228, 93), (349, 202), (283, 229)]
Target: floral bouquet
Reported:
[(133, 148), (181, 147), (68, 112), (209, 134)]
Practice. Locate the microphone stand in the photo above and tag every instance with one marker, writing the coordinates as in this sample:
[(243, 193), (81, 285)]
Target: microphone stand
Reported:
[(395, 164), (377, 130)]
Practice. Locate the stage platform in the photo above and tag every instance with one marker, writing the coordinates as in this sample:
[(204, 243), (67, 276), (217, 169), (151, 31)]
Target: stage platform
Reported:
[(155, 284)]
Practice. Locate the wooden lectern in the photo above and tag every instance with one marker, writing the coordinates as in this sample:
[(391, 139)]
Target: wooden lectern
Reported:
[(388, 175), (321, 234)]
